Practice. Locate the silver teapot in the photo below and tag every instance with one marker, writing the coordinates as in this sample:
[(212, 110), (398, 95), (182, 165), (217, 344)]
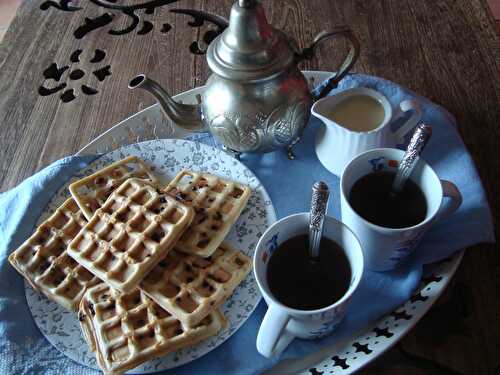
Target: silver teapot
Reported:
[(256, 99)]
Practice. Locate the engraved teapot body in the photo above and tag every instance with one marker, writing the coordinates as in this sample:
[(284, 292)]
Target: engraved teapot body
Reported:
[(256, 99)]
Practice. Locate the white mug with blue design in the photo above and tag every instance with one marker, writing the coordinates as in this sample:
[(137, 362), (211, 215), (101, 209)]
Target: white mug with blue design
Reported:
[(282, 324), (385, 248)]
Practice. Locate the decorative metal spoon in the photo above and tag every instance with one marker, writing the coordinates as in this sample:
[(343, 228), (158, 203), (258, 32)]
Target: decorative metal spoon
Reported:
[(410, 159), (319, 203)]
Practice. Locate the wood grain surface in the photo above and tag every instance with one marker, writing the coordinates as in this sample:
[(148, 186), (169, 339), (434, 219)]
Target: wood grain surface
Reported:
[(447, 50)]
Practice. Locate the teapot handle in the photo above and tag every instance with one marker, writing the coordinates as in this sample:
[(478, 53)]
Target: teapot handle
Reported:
[(349, 60)]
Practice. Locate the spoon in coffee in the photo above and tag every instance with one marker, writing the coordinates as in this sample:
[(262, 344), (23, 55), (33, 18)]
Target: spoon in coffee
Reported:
[(319, 203), (410, 159)]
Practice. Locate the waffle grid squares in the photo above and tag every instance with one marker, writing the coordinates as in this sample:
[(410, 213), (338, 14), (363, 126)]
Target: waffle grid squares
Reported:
[(189, 286), (128, 329), (43, 260), (126, 237), (91, 192), (218, 204)]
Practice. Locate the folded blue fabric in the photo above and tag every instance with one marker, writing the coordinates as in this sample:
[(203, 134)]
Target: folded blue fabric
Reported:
[(23, 350)]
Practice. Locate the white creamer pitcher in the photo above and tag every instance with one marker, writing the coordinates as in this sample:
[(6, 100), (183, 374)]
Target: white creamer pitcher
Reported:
[(336, 145)]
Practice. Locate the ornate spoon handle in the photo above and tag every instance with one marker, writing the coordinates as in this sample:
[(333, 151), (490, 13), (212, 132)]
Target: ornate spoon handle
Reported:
[(417, 143), (317, 213)]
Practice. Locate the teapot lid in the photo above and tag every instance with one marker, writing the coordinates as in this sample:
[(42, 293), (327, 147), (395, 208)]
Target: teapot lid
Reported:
[(250, 48)]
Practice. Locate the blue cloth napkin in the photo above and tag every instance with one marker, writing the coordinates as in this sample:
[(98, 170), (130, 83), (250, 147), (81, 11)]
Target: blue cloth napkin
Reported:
[(23, 350)]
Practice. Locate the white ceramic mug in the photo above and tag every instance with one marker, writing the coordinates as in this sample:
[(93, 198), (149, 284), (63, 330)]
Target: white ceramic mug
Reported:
[(281, 323), (385, 248), (336, 144)]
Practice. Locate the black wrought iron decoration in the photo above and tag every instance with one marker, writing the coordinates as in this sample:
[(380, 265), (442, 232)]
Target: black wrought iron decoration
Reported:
[(141, 22)]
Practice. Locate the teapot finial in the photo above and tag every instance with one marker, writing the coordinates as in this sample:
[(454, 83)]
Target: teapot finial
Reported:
[(246, 3)]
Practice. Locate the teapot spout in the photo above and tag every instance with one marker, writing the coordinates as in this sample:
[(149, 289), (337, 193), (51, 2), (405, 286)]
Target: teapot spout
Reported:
[(187, 116)]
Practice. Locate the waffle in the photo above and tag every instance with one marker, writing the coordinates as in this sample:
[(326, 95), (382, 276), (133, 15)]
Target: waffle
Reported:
[(126, 330), (92, 191), (218, 204), (189, 287), (130, 234), (44, 262)]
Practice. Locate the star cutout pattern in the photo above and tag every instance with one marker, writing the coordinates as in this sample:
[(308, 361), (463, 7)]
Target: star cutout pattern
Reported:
[(362, 348), (341, 362), (382, 332), (418, 297), (313, 371), (398, 315)]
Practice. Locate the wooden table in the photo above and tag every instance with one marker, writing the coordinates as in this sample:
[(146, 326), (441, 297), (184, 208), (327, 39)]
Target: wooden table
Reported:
[(65, 68)]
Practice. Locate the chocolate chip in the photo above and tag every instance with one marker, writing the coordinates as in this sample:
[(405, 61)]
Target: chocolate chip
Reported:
[(188, 268), (81, 316), (199, 210), (104, 296), (100, 180), (178, 299), (236, 193), (218, 216), (205, 284), (163, 200), (211, 288), (211, 199), (157, 236), (152, 334), (215, 227), (137, 300), (203, 243), (178, 331), (239, 262), (163, 264), (156, 210), (195, 188), (189, 279), (141, 322), (91, 308)]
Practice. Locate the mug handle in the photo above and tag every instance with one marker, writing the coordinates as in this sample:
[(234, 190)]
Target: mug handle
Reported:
[(405, 106), (273, 337), (451, 191)]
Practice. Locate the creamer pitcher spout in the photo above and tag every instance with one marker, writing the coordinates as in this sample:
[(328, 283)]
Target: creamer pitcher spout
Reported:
[(186, 116)]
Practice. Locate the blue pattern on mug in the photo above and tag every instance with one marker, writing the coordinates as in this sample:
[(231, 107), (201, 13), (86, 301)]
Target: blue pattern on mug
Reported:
[(272, 244), (325, 328), (406, 247), (377, 163)]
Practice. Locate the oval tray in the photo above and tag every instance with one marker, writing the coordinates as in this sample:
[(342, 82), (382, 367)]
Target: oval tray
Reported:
[(343, 357)]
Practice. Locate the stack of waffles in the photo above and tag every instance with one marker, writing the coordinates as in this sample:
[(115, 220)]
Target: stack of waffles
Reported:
[(144, 266)]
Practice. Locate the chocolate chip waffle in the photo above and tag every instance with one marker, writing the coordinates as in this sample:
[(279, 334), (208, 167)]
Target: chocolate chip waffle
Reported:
[(92, 191), (189, 287), (218, 204), (44, 262), (130, 234), (126, 330)]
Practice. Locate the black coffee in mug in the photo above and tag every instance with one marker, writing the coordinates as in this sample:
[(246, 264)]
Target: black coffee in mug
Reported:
[(301, 283), (371, 197)]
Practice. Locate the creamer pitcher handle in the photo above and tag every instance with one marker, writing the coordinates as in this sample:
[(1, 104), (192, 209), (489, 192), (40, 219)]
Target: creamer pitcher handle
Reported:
[(411, 122), (347, 64)]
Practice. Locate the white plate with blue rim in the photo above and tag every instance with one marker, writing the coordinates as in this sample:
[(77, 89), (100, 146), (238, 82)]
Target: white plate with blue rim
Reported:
[(167, 157)]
